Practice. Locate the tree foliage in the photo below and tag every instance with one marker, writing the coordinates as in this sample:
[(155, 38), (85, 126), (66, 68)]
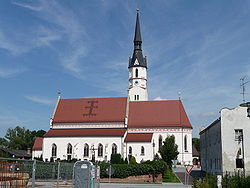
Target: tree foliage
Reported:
[(196, 143), (169, 150), (20, 138), (116, 159)]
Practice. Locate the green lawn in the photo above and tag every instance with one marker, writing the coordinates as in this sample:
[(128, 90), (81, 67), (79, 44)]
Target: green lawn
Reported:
[(169, 177)]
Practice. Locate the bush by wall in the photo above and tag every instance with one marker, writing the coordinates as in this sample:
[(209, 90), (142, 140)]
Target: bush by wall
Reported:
[(126, 170)]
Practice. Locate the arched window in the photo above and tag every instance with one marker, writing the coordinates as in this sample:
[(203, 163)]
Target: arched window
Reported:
[(142, 151), (130, 150), (160, 142), (100, 150), (69, 152), (136, 73), (86, 150), (185, 143), (114, 149), (54, 150)]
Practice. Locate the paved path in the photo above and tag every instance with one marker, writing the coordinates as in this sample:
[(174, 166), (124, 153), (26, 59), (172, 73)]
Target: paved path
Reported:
[(164, 185), (118, 185)]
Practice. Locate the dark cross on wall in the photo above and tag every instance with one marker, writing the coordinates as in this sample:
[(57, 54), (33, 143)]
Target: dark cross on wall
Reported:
[(91, 108)]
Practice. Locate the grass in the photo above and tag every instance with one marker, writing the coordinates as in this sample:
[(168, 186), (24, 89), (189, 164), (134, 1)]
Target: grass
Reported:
[(169, 177)]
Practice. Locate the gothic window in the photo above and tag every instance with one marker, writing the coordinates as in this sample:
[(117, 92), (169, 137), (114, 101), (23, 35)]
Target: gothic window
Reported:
[(130, 150), (54, 150), (69, 152), (142, 151), (114, 149), (185, 143), (138, 97), (100, 150), (136, 73), (238, 134), (135, 97), (160, 142), (86, 150)]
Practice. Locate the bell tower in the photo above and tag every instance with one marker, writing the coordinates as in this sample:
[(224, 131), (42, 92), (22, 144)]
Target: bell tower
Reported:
[(137, 90)]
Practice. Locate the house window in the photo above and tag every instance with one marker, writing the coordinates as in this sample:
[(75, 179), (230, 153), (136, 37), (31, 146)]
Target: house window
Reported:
[(142, 151), (100, 150), (238, 134), (160, 142), (130, 150), (114, 149), (54, 150), (136, 73), (185, 143), (69, 152), (248, 112), (86, 150)]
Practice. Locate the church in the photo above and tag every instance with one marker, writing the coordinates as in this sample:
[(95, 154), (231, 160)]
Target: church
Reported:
[(95, 128)]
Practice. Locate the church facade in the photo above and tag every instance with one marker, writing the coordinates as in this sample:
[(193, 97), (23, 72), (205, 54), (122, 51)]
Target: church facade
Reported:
[(95, 128)]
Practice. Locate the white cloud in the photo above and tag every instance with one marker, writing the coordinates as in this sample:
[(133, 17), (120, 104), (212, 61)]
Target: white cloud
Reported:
[(34, 8), (208, 114), (40, 100), (159, 98), (10, 72)]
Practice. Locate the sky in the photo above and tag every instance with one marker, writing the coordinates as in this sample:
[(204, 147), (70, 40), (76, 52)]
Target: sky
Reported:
[(81, 47)]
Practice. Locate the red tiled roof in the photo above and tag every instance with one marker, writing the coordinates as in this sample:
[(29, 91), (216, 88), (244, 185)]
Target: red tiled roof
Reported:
[(38, 145), (138, 137), (79, 110), (84, 132), (164, 113)]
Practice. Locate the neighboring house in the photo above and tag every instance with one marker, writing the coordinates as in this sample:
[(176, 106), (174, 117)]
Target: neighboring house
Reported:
[(196, 156), (95, 128), (225, 144), (14, 153), (37, 150)]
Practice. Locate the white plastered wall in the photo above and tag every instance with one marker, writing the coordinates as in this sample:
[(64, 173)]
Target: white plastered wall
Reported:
[(78, 147), (232, 119), (184, 157)]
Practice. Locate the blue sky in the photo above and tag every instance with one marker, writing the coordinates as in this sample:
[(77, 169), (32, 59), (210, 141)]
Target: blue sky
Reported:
[(198, 48)]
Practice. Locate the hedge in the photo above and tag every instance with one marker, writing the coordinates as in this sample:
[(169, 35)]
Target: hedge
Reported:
[(125, 170)]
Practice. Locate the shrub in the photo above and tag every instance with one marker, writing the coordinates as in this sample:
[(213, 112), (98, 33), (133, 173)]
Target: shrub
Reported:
[(236, 180), (210, 181), (116, 159), (125, 170), (132, 160)]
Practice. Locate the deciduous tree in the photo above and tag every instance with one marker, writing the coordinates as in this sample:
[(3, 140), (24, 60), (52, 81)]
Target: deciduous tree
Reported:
[(169, 150)]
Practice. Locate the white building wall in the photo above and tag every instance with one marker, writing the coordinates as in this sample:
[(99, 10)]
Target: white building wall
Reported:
[(37, 153), (232, 119), (78, 147), (136, 150), (184, 157)]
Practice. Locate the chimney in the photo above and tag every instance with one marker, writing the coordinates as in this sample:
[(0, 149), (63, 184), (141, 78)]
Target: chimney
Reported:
[(28, 151)]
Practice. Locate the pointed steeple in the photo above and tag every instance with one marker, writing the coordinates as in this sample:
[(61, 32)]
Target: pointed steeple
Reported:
[(137, 59), (137, 39)]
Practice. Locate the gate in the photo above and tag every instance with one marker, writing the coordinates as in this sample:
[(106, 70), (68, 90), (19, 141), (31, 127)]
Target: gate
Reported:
[(85, 175)]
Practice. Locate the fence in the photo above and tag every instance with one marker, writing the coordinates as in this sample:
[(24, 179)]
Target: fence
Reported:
[(17, 173)]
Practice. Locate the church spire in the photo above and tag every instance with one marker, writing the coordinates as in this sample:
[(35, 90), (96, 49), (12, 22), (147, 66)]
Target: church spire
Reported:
[(137, 39), (137, 59)]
